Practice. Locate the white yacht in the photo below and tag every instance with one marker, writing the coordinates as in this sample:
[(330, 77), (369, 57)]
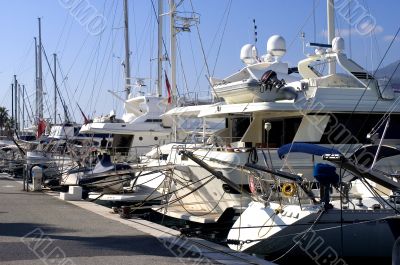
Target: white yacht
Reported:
[(140, 129), (293, 214), (338, 110)]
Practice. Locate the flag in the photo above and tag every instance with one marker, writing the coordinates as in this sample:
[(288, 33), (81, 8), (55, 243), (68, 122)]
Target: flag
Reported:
[(168, 88), (85, 119), (41, 128)]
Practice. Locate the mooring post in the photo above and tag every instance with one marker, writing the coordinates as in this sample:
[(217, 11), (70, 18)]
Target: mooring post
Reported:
[(23, 177)]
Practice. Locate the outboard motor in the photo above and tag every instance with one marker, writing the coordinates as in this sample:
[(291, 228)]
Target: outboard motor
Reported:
[(269, 80), (326, 175)]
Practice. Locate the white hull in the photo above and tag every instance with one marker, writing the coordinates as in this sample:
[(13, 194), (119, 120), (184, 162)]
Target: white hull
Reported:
[(140, 194), (359, 235)]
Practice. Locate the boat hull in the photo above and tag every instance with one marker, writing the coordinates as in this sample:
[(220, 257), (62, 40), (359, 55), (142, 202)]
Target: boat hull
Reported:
[(362, 233)]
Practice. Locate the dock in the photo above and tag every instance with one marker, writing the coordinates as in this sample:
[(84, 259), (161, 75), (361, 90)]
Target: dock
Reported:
[(39, 228)]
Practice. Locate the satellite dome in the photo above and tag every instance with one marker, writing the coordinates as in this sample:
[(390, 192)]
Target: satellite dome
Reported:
[(248, 54), (338, 44), (276, 46)]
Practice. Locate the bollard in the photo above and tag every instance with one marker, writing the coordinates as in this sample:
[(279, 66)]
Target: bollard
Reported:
[(37, 175), (125, 212), (25, 178)]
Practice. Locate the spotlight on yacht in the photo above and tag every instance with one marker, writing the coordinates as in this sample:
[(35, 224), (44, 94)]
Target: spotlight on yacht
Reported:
[(267, 126)]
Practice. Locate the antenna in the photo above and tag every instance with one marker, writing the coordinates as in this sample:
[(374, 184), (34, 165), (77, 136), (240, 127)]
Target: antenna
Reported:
[(303, 40), (184, 23), (255, 31)]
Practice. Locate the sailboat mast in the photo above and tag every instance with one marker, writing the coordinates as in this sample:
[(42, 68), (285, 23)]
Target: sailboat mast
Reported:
[(331, 32), (36, 78), (19, 106), (173, 50), (160, 50), (23, 108), (12, 104), (39, 92), (15, 103), (55, 88), (127, 53)]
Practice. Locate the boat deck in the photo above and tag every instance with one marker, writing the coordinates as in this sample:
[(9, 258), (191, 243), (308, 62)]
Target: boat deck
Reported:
[(36, 228)]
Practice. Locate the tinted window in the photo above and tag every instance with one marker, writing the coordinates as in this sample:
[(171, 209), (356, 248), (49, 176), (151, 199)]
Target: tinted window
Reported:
[(345, 128), (282, 131)]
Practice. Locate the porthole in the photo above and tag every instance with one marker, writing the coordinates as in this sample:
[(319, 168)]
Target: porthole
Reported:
[(155, 138), (140, 138)]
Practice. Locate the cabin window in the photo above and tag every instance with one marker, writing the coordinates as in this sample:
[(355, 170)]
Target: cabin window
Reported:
[(153, 120), (155, 138), (122, 143), (346, 128), (140, 138), (282, 131), (163, 156), (239, 127)]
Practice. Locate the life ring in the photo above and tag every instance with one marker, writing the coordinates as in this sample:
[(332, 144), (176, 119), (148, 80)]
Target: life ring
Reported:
[(289, 189)]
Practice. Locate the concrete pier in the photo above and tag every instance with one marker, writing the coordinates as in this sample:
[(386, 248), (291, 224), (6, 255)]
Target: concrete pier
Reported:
[(37, 228)]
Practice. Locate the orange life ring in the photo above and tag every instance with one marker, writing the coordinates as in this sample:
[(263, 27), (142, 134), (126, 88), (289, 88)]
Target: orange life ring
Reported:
[(289, 189)]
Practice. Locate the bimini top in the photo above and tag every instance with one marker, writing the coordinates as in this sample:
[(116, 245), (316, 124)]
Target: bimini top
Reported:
[(311, 149)]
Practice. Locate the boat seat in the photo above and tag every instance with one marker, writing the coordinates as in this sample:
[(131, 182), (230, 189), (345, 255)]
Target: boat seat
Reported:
[(104, 164)]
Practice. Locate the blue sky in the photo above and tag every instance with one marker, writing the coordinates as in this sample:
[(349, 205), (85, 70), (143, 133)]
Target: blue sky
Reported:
[(91, 63)]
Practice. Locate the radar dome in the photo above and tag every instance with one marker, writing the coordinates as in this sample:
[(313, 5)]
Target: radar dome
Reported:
[(248, 54), (338, 44), (276, 46)]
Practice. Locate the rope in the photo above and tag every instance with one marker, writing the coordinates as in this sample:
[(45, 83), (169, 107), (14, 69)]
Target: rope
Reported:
[(305, 233), (227, 12)]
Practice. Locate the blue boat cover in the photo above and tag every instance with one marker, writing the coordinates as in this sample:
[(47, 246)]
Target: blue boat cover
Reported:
[(325, 174), (311, 149)]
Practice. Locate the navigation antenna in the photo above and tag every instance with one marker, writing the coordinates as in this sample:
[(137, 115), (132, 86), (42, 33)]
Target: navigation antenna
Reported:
[(255, 31), (186, 21)]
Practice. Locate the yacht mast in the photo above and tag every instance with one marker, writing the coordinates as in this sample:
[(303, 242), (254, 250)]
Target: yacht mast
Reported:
[(15, 103), (39, 90), (331, 32), (159, 64), (173, 50), (55, 88), (127, 53), (36, 79), (23, 108)]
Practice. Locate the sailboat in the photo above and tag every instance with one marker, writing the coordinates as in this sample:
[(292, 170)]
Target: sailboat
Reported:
[(294, 215)]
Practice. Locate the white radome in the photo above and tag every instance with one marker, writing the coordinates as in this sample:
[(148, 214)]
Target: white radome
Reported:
[(338, 44), (248, 54), (276, 46)]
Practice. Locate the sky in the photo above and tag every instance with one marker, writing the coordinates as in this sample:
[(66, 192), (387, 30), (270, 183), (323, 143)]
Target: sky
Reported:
[(91, 52)]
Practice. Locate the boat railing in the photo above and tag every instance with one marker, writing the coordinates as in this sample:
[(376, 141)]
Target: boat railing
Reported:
[(196, 98), (130, 155)]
